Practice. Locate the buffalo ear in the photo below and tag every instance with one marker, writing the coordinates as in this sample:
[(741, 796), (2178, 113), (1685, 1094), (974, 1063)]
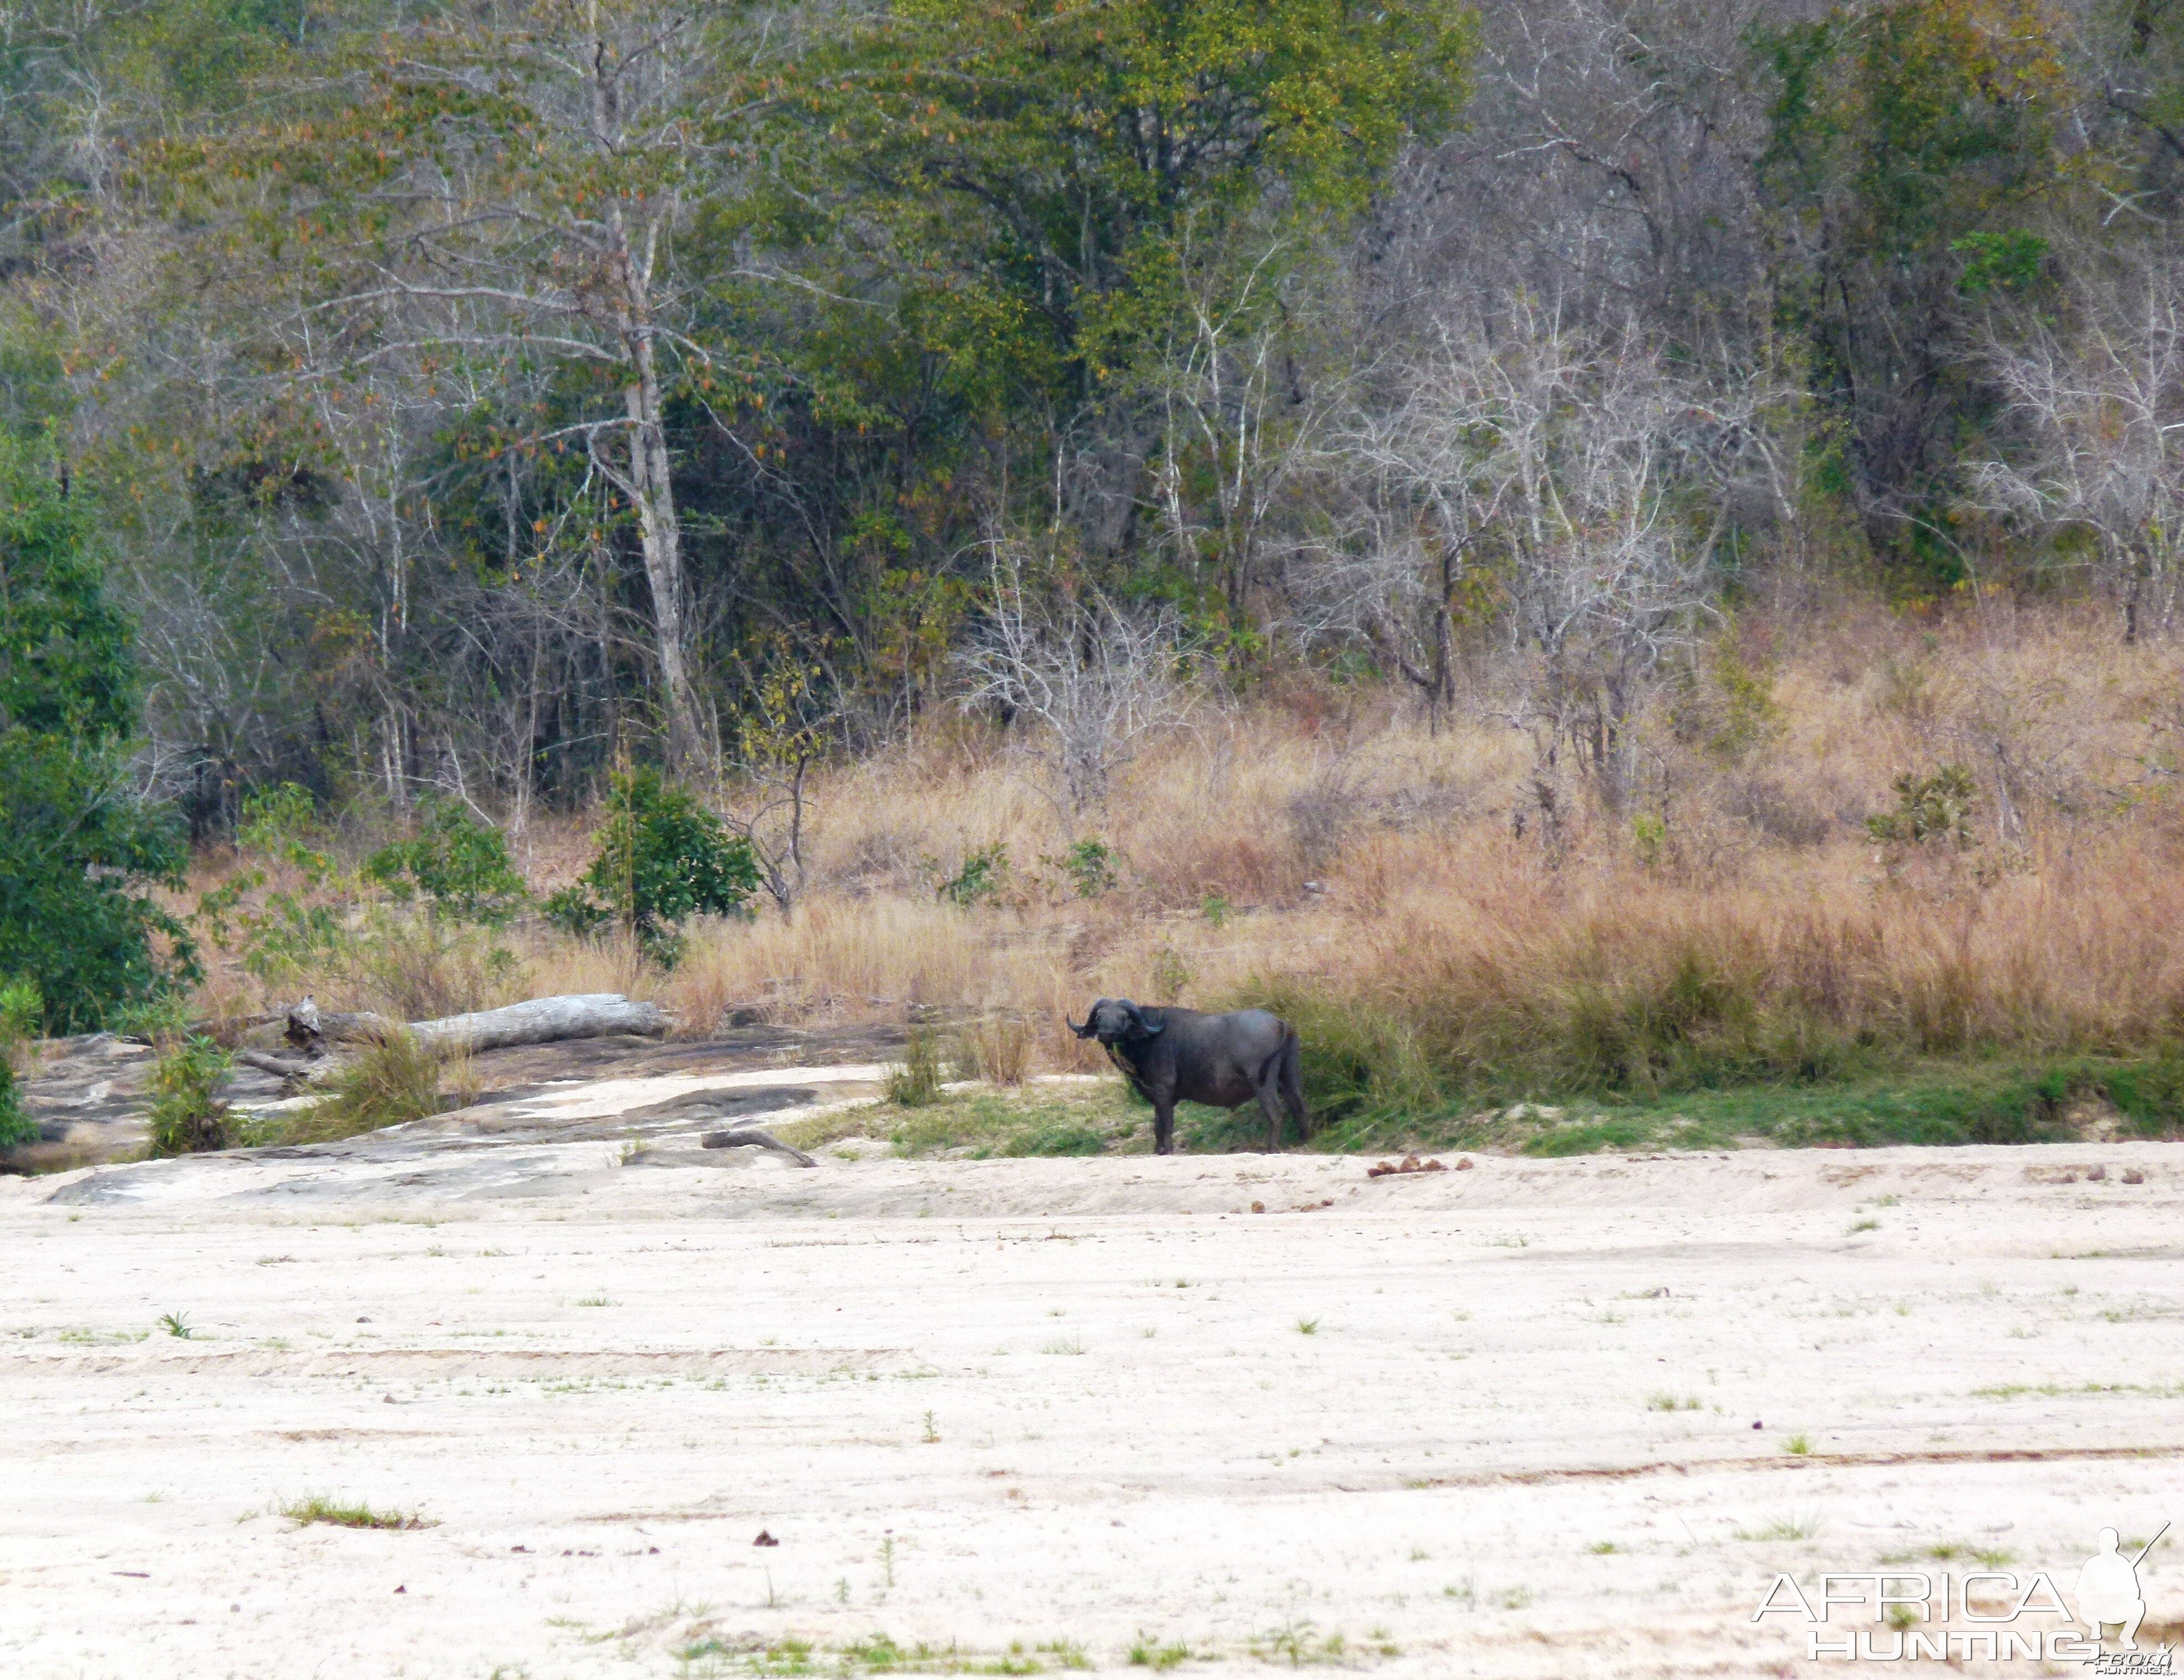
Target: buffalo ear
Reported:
[(1145, 1029), (1083, 1031)]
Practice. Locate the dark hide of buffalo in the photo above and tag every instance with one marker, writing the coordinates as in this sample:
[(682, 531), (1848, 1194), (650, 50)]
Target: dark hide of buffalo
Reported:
[(1172, 1055)]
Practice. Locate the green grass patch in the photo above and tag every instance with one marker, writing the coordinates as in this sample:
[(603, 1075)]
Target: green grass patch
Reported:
[(1937, 1102), (1079, 1120), (347, 1513)]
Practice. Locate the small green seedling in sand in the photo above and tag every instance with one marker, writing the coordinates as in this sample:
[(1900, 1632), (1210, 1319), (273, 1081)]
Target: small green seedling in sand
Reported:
[(174, 1325), (1148, 1652), (1307, 1327)]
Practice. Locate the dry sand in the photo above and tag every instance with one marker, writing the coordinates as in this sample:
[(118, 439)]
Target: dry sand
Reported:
[(1001, 1404)]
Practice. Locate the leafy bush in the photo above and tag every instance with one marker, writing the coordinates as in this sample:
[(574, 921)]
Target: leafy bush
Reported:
[(980, 878), (187, 1117), (662, 856), (22, 1014), (76, 845), (1091, 866), (15, 1125), (289, 935), (1936, 807), (459, 864)]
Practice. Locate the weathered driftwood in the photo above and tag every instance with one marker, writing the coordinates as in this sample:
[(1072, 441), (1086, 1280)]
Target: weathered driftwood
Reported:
[(542, 1021), (752, 1136), (284, 1067)]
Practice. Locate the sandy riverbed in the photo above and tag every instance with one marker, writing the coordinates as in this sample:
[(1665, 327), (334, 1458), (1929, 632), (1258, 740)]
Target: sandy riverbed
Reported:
[(995, 1404)]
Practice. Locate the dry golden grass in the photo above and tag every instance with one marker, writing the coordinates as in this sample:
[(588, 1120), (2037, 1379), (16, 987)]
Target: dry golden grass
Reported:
[(1322, 841)]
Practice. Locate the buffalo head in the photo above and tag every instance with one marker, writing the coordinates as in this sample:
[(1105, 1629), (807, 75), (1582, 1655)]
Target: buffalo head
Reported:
[(1115, 1020)]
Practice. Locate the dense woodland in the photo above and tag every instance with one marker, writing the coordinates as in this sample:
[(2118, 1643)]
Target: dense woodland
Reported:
[(470, 394), (454, 406)]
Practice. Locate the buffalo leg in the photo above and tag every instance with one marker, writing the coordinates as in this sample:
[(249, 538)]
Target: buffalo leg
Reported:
[(1292, 1084), (1163, 1125), (1271, 1109)]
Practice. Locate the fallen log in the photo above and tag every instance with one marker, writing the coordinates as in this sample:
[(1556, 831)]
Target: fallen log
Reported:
[(287, 1067), (752, 1136), (542, 1021)]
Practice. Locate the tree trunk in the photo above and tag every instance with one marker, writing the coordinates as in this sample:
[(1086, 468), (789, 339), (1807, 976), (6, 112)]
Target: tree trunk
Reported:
[(543, 1020), (661, 532)]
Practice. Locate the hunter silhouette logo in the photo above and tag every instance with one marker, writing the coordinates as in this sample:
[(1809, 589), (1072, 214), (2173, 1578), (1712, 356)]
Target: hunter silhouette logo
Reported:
[(1999, 1615), (2108, 1590)]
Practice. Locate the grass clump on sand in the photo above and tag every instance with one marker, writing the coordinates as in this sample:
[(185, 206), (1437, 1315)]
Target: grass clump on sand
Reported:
[(1083, 1120), (915, 1081), (391, 1081), (346, 1514)]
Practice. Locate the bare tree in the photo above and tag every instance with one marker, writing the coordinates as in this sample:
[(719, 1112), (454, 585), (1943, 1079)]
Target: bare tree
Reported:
[(1100, 682), (2098, 392), (1557, 481)]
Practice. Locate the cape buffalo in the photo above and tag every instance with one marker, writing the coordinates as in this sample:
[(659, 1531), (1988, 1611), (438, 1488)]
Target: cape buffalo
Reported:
[(1224, 1061)]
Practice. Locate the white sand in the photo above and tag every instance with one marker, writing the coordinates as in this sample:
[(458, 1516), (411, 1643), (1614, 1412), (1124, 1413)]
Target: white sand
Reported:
[(600, 1381)]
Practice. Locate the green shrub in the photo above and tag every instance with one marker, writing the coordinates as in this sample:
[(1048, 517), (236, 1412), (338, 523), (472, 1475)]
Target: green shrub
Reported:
[(1936, 807), (15, 1125), (76, 845), (662, 856), (22, 1019), (459, 864), (290, 936), (980, 878), (187, 1116), (1090, 866)]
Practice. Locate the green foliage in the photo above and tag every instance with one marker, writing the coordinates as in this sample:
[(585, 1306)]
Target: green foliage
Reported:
[(1911, 143), (980, 879), (288, 936), (915, 1081), (22, 1018), (662, 856), (1033, 165), (187, 1115), (22, 1013), (1929, 808), (458, 862), (2008, 261), (279, 821), (75, 846), (15, 1125), (1092, 867)]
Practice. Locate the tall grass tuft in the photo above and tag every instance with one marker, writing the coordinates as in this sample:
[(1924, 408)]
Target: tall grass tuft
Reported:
[(390, 1082), (915, 1081), (994, 1048)]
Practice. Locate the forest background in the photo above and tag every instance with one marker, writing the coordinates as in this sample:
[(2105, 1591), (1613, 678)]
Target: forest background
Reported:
[(1612, 550)]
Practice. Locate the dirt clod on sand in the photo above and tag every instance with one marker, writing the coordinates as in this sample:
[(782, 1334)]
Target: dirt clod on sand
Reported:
[(1410, 1164)]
